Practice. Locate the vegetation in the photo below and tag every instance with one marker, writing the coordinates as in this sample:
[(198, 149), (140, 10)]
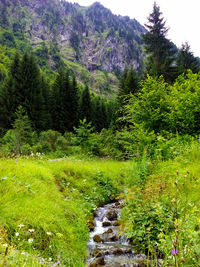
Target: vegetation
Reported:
[(65, 150), (47, 207), (161, 214), (159, 49)]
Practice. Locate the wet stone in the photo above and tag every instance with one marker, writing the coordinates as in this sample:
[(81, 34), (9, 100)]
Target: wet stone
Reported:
[(110, 230), (106, 223), (113, 237), (91, 225), (97, 254), (98, 262), (116, 223), (112, 215), (118, 251), (106, 246), (97, 238), (109, 236)]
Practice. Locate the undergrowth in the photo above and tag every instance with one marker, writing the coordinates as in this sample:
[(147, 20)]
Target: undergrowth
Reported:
[(161, 217)]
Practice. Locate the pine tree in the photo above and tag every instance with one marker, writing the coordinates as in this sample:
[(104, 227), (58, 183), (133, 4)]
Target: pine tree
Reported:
[(186, 60), (9, 95), (22, 129), (47, 103), (64, 102), (31, 97), (73, 105), (159, 49), (128, 84), (85, 105), (98, 115), (57, 102)]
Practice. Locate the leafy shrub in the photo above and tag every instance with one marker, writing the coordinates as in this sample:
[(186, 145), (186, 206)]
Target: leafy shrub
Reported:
[(145, 221), (51, 141)]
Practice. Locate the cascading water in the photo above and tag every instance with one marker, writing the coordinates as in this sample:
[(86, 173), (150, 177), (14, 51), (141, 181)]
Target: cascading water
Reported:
[(106, 246)]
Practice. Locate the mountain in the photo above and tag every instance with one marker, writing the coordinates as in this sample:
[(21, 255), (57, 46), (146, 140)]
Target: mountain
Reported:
[(93, 42)]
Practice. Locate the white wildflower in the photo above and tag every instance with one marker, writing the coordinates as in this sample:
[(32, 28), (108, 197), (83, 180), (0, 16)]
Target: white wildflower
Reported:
[(49, 233), (30, 240)]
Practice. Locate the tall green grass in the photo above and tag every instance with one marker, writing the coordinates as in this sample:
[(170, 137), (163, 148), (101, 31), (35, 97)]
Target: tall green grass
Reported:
[(46, 207), (162, 216)]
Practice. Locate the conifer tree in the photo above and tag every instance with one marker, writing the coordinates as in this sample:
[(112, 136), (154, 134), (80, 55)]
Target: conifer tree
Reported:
[(160, 51), (9, 95), (128, 84), (22, 129), (64, 102), (58, 111), (104, 123), (98, 115), (186, 60), (47, 103), (73, 105), (85, 105), (31, 97)]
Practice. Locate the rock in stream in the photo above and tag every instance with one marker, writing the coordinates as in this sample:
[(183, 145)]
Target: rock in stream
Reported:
[(106, 246)]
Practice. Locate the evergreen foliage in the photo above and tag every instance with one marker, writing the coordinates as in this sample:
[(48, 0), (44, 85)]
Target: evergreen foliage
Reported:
[(85, 105), (10, 95), (160, 51), (64, 102), (186, 60), (22, 129), (129, 83)]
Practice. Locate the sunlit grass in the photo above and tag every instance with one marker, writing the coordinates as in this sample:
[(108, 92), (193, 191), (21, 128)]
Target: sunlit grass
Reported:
[(163, 214), (53, 197)]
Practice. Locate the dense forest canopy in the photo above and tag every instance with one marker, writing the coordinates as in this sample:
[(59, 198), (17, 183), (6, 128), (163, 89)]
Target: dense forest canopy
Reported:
[(56, 101)]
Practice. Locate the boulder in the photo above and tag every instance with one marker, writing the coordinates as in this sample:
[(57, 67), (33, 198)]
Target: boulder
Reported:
[(97, 238), (109, 231), (118, 251), (112, 215), (98, 262), (97, 254), (106, 223), (116, 223)]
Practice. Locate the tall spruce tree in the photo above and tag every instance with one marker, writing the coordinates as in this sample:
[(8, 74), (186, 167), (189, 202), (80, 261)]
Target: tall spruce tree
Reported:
[(31, 97), (85, 105), (160, 51), (64, 102), (22, 129), (98, 115), (128, 82), (186, 60), (10, 95), (47, 103), (73, 105), (59, 96)]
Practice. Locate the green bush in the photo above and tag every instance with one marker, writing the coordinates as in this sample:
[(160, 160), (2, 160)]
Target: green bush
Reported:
[(52, 141)]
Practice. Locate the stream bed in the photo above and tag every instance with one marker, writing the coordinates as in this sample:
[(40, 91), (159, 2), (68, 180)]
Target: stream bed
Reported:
[(107, 247)]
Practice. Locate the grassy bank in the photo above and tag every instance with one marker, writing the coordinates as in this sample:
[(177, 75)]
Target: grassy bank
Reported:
[(46, 207), (162, 215)]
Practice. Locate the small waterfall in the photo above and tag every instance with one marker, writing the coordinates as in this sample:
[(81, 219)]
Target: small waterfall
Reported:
[(106, 246)]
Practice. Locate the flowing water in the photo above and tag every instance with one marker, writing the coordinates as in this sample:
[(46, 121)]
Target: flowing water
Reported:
[(107, 247)]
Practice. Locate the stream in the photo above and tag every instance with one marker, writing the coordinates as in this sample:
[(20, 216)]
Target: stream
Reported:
[(106, 246)]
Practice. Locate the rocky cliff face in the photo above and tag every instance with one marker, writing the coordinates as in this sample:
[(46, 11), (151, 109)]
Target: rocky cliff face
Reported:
[(64, 33)]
